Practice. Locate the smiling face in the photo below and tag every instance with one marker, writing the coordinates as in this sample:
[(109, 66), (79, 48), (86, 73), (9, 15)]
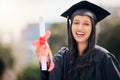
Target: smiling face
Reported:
[(81, 28)]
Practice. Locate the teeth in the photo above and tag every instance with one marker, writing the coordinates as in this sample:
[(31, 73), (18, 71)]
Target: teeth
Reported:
[(80, 33)]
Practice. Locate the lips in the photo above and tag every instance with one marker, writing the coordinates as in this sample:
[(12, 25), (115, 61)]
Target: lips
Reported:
[(80, 34)]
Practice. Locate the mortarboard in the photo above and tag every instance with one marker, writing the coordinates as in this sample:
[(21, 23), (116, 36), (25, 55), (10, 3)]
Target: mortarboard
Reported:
[(99, 12)]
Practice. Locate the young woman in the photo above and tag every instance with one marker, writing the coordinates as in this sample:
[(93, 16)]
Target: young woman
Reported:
[(83, 59)]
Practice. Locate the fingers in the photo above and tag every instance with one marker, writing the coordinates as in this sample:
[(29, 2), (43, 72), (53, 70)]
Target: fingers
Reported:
[(42, 50), (51, 67), (45, 51)]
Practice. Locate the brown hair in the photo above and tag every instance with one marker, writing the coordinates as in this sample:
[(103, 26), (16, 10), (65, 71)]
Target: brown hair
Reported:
[(76, 61)]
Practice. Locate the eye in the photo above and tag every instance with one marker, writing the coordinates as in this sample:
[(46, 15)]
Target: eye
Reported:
[(86, 24)]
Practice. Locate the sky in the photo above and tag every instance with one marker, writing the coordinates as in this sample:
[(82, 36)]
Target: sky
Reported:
[(16, 14)]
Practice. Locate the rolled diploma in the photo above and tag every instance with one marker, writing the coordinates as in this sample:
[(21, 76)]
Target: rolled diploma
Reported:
[(42, 33)]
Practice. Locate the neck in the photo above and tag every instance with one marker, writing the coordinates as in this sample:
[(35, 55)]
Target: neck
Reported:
[(82, 47)]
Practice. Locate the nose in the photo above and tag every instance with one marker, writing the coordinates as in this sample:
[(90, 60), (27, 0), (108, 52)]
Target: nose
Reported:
[(80, 27)]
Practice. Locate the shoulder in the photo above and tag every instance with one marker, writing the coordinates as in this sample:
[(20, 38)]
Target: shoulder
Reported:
[(101, 50), (63, 52), (101, 53), (107, 62), (61, 58)]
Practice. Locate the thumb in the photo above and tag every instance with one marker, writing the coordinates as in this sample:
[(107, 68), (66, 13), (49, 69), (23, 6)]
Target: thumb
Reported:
[(47, 34)]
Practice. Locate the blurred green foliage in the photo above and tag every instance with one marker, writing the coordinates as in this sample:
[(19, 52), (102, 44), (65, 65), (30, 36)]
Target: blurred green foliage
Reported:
[(31, 72), (109, 36), (58, 37), (6, 56), (6, 59), (2, 68)]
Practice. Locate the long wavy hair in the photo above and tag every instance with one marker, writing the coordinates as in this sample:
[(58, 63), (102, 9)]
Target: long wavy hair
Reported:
[(79, 63)]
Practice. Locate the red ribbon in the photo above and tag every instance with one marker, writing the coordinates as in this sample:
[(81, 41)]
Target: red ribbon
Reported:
[(42, 40)]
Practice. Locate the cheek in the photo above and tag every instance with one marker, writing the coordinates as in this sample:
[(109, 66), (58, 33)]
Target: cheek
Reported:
[(72, 29), (89, 30)]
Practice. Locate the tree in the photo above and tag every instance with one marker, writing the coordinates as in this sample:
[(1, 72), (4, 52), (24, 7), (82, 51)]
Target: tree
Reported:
[(6, 59), (31, 72), (109, 35), (7, 56), (2, 68), (58, 37)]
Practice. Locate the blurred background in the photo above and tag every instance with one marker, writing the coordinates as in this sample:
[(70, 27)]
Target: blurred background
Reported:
[(19, 27)]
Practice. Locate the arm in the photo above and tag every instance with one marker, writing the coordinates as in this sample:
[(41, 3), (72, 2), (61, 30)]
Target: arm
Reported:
[(57, 72)]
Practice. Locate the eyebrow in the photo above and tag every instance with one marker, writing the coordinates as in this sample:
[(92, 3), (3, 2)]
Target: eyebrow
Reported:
[(78, 20), (86, 21)]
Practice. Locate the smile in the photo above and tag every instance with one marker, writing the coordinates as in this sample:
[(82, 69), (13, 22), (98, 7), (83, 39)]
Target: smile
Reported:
[(81, 34)]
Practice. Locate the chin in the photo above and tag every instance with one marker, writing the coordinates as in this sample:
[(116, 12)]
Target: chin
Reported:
[(81, 40)]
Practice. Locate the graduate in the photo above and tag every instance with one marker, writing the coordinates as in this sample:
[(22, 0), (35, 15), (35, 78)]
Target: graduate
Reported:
[(83, 59)]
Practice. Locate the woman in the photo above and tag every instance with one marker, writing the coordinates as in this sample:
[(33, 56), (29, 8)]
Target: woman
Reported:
[(83, 59)]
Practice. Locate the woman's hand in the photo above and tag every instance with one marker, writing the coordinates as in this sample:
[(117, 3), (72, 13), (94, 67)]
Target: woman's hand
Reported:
[(43, 50)]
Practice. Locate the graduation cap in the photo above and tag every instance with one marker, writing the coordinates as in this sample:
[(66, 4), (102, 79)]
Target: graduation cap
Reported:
[(99, 12)]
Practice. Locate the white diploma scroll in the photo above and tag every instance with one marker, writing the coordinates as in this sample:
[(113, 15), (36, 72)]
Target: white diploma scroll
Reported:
[(42, 33)]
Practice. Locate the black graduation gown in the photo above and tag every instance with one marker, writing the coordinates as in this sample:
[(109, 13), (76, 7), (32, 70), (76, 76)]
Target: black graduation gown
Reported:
[(104, 66)]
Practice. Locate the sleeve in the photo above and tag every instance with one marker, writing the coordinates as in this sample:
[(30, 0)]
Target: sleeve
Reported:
[(44, 75), (56, 73), (112, 68)]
